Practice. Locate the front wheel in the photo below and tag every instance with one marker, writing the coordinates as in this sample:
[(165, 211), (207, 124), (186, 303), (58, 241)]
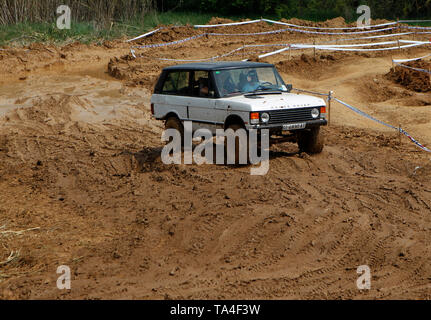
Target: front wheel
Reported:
[(311, 141)]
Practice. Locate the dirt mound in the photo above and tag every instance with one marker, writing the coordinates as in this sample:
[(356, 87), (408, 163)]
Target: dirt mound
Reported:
[(335, 23), (169, 34), (308, 65), (379, 89), (134, 71), (411, 79), (338, 22), (217, 20)]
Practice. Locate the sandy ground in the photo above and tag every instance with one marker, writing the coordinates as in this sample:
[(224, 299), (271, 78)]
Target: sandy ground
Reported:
[(81, 178)]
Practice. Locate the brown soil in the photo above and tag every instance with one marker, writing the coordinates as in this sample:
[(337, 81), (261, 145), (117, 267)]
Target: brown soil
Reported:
[(81, 177), (411, 79), (308, 66), (217, 20), (129, 69)]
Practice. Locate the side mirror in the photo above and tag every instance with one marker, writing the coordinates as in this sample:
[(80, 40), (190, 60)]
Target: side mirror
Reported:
[(289, 87)]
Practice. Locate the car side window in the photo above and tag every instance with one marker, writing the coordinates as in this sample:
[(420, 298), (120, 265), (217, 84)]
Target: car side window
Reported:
[(202, 85), (177, 83)]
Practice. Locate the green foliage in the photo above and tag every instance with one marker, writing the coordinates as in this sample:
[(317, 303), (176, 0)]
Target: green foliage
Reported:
[(25, 21), (316, 9)]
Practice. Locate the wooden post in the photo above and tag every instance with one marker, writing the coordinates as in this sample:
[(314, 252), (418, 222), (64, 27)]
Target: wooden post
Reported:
[(399, 134), (329, 107), (314, 42)]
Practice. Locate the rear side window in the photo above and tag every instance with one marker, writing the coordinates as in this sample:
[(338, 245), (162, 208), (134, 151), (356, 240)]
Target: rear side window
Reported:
[(177, 83), (202, 85)]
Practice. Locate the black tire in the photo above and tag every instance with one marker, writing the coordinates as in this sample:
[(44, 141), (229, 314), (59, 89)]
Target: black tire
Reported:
[(175, 123), (236, 127), (311, 141)]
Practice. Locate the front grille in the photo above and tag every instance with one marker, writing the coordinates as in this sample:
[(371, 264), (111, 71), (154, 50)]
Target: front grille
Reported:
[(290, 116)]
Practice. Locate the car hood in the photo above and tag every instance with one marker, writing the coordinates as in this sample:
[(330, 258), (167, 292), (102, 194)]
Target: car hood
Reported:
[(266, 102)]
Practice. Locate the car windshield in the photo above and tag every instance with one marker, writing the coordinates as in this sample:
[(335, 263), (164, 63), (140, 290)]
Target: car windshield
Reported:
[(248, 80)]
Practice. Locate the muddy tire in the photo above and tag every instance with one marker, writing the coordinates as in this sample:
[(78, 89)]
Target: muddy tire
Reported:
[(175, 123), (235, 127), (311, 141)]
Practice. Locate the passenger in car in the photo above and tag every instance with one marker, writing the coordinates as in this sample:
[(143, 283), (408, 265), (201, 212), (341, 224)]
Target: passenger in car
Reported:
[(203, 87)]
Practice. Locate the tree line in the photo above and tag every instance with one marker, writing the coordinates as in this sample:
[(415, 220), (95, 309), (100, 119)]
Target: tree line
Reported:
[(317, 9), (15, 11)]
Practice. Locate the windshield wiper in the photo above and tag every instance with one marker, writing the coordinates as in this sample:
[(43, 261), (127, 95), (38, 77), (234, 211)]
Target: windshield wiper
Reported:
[(258, 92), (264, 89), (231, 93)]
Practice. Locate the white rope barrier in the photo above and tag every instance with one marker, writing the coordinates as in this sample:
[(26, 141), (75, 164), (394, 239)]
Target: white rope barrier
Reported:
[(348, 48), (356, 45), (400, 130), (372, 37), (413, 21), (366, 115), (370, 50), (328, 28), (312, 92), (226, 24), (208, 34), (273, 52), (412, 68), (249, 34), (339, 33), (298, 28), (133, 52), (418, 28), (409, 60), (144, 35)]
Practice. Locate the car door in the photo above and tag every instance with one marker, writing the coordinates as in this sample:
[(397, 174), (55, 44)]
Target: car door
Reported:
[(176, 93), (222, 106), (202, 102)]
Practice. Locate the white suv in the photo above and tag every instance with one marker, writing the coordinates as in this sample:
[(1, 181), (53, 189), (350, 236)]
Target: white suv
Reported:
[(235, 95)]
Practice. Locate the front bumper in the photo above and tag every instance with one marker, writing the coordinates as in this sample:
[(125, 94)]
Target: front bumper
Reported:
[(279, 126)]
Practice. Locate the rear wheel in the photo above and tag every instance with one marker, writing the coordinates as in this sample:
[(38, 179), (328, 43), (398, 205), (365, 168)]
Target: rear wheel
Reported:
[(311, 141), (175, 123)]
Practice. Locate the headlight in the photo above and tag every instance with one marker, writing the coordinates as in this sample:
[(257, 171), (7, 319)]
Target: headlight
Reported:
[(264, 117), (315, 113)]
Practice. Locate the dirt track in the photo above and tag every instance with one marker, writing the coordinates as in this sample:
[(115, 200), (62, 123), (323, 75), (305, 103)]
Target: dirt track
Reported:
[(80, 162)]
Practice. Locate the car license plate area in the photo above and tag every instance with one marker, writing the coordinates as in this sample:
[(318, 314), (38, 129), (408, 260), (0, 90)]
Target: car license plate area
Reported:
[(293, 126)]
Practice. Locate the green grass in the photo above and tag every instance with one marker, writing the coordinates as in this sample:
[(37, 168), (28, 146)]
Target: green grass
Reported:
[(89, 32), (420, 24)]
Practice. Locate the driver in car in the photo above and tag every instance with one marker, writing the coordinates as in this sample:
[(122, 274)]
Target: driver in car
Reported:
[(252, 82)]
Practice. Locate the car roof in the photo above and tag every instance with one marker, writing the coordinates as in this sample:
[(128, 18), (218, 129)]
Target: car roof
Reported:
[(223, 65)]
